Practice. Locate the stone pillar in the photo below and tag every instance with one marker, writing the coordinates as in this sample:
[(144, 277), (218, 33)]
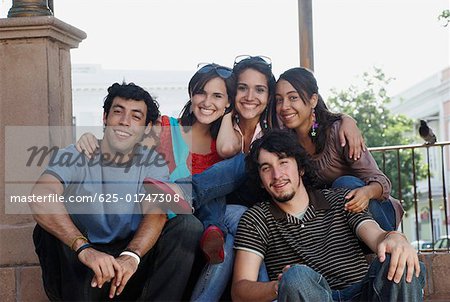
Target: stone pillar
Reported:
[(35, 89)]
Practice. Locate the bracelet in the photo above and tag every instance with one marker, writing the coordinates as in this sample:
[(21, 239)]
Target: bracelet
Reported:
[(75, 239), (83, 247), (394, 232), (131, 254)]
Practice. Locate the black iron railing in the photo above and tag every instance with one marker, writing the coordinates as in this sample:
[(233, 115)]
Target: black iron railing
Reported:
[(420, 175)]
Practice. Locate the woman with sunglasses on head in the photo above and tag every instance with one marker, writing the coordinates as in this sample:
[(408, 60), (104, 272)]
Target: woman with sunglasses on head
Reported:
[(189, 143), (301, 108)]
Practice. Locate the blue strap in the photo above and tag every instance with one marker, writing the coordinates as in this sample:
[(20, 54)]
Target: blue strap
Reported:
[(180, 152), (180, 155)]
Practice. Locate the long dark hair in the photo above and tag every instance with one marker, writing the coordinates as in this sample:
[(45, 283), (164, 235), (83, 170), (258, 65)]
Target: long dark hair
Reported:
[(260, 65), (305, 84), (197, 84)]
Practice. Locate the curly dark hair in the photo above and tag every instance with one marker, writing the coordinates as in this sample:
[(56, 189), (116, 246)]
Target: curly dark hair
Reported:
[(284, 143), (132, 91)]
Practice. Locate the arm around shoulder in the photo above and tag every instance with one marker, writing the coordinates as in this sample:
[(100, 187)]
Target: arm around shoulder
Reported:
[(350, 133)]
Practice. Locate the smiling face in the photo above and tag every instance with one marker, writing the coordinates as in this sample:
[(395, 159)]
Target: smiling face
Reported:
[(294, 112), (279, 175), (125, 126), (252, 94), (209, 104)]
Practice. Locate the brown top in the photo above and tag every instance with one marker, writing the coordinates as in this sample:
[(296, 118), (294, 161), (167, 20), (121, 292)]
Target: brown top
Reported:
[(334, 162)]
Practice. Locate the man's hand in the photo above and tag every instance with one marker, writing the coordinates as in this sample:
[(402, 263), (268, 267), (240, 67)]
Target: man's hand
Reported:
[(104, 266), (129, 266), (358, 200), (402, 254)]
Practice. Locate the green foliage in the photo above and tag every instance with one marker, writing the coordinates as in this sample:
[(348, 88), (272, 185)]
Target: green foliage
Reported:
[(380, 127), (445, 17)]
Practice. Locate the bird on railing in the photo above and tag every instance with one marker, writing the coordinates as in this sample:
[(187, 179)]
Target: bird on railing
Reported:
[(427, 133)]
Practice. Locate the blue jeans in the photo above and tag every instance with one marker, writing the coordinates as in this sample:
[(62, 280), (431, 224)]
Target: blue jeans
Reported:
[(382, 211), (302, 283), (209, 190), (218, 180), (214, 278)]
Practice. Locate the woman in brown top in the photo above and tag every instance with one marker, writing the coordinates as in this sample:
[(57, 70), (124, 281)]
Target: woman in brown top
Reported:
[(301, 108)]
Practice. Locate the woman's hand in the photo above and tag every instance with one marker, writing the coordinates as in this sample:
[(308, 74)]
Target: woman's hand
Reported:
[(87, 144), (350, 133), (358, 200)]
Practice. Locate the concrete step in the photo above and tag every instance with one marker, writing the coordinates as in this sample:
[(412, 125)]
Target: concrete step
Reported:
[(438, 298)]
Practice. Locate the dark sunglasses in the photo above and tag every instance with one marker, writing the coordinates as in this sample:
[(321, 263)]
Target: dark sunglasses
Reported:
[(222, 71), (262, 59)]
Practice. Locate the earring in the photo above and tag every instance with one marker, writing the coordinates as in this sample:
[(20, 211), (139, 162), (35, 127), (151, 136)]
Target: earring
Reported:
[(266, 113), (236, 118), (314, 125)]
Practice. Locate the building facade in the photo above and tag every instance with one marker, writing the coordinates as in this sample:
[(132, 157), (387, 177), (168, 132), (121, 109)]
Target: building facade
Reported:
[(430, 100)]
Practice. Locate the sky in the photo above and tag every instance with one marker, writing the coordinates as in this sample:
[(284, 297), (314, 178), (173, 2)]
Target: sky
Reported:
[(404, 38)]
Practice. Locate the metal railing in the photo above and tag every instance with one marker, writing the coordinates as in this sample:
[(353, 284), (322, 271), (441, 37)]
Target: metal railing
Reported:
[(428, 165)]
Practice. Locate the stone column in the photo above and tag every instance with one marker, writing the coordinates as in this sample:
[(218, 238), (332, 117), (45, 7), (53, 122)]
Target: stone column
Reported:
[(35, 89)]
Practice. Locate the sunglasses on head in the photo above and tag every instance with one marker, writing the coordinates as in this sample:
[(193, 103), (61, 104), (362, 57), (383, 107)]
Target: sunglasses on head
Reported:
[(222, 71), (262, 59)]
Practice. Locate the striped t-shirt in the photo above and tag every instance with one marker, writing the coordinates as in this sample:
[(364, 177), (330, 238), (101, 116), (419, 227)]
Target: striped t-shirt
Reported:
[(324, 239)]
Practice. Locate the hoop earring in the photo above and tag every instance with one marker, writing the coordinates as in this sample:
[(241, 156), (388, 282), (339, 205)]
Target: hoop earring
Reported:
[(315, 124)]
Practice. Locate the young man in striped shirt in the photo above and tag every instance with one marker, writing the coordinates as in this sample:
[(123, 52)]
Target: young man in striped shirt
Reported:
[(309, 243)]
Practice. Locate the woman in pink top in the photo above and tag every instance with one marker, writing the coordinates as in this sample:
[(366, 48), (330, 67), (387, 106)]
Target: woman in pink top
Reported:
[(301, 108)]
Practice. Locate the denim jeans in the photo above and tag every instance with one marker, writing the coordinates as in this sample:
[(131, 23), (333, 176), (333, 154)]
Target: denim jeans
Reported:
[(210, 188), (214, 278), (169, 262), (207, 190), (218, 180), (302, 283), (382, 211)]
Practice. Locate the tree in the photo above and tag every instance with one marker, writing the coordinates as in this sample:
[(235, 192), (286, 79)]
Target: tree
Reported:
[(380, 127), (444, 17)]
